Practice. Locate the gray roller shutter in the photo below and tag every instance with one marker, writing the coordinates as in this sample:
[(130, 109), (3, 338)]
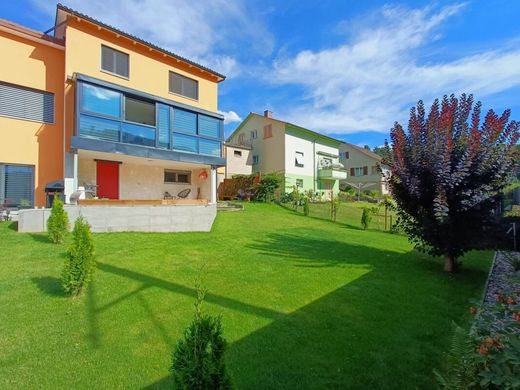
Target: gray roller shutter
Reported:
[(26, 103)]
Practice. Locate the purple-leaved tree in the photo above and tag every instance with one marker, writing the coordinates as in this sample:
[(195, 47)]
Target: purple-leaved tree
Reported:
[(446, 173)]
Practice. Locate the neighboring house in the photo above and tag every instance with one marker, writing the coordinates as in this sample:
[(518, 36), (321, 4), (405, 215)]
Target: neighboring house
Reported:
[(362, 167), (239, 160), (98, 108), (307, 159)]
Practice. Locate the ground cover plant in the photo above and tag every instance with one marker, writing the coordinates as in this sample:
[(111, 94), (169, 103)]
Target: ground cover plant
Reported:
[(305, 303)]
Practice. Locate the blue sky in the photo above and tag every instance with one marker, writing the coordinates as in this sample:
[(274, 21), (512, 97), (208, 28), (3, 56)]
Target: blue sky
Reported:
[(345, 68)]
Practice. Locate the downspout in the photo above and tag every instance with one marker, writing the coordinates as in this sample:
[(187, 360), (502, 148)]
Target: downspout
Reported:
[(315, 174)]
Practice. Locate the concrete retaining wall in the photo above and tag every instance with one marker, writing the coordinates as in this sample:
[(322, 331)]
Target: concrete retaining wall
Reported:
[(171, 218)]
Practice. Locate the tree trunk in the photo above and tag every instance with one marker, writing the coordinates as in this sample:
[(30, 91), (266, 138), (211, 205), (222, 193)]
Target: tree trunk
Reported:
[(450, 264)]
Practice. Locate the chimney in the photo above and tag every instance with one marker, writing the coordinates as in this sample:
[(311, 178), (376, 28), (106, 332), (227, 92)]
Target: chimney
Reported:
[(268, 114)]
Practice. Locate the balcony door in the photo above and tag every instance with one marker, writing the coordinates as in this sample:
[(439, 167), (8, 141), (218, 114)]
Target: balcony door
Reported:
[(107, 173)]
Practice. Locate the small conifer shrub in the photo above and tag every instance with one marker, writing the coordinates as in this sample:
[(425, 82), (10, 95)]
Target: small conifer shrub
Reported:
[(80, 263), (198, 358), (58, 222)]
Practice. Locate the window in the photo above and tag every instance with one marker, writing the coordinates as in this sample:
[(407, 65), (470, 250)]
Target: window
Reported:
[(138, 135), (209, 127), (98, 100), (299, 183), (209, 147), (163, 126), (254, 134), (114, 61), (182, 85), (184, 121), (255, 159), (17, 185), (171, 176), (241, 139), (185, 143), (24, 103), (139, 111), (343, 155), (298, 160), (359, 171), (268, 131), (374, 170), (237, 153)]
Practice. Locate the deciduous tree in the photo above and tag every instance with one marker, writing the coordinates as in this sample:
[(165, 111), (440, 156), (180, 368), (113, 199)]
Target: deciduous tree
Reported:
[(446, 172)]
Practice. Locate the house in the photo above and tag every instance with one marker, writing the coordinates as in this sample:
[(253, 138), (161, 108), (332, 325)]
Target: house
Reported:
[(239, 160), (308, 160), (362, 167), (111, 116)]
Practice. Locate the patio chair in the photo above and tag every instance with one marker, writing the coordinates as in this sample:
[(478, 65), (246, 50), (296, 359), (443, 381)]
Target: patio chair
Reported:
[(4, 211), (184, 193)]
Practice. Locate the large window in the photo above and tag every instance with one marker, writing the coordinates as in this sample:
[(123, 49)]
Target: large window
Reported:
[(182, 85), (114, 61), (25, 103), (98, 100), (140, 111), (17, 185), (114, 116), (171, 176)]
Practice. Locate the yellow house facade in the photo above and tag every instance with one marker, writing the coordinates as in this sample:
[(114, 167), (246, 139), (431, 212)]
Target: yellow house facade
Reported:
[(106, 115)]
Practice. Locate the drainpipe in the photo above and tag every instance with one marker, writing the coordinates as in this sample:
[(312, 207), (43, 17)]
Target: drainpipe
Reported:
[(315, 174)]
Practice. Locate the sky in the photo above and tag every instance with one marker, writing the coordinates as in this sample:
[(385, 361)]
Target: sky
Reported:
[(345, 68)]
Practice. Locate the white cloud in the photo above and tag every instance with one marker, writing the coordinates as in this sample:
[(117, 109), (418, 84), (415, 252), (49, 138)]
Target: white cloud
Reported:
[(230, 116), (203, 31), (372, 80)]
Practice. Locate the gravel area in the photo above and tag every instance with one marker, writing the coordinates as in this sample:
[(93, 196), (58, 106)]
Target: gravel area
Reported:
[(500, 281)]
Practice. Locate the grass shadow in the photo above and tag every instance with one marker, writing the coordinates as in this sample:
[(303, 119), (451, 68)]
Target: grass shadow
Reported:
[(40, 237), (13, 225), (50, 286)]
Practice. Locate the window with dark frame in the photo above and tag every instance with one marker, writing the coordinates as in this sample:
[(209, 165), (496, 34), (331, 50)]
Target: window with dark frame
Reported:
[(184, 86), (237, 153), (179, 177), (139, 111), (298, 159), (114, 61), (299, 183)]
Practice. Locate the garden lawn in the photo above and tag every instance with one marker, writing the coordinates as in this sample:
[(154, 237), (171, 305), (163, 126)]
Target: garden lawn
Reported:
[(306, 304), (349, 213)]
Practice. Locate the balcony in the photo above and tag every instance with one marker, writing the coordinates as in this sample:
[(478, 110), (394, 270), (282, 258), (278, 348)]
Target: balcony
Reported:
[(144, 125), (332, 172)]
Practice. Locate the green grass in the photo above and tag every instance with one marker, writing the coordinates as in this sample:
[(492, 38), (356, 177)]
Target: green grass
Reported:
[(349, 214), (306, 303)]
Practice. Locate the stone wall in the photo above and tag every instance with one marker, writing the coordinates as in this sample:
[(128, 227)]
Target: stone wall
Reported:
[(170, 218)]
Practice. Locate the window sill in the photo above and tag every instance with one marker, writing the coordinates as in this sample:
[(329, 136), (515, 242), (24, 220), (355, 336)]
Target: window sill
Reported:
[(182, 96), (114, 74)]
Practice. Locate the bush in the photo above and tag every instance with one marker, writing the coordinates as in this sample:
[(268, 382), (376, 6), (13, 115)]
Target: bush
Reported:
[(198, 358), (305, 201), (58, 222), (286, 197), (366, 218), (80, 263), (264, 191)]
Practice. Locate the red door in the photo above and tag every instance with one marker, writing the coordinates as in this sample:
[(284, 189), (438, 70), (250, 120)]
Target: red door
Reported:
[(108, 179)]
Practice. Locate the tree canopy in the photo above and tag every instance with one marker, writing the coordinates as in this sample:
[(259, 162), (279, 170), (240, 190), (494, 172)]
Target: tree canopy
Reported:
[(446, 173)]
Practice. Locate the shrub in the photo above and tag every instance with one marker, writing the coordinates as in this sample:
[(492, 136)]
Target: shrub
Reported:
[(366, 218), (287, 197), (198, 358), (79, 264), (264, 191), (296, 196), (58, 222), (305, 206), (334, 206)]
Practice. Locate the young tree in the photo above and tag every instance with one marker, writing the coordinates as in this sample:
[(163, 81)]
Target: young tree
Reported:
[(198, 358), (58, 222), (79, 264), (446, 173)]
